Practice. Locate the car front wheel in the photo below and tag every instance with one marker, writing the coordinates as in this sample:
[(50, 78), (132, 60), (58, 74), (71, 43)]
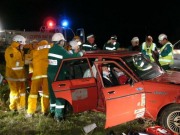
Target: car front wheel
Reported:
[(170, 118)]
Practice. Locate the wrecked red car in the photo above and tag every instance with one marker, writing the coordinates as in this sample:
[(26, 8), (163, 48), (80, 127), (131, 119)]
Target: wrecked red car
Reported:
[(147, 92)]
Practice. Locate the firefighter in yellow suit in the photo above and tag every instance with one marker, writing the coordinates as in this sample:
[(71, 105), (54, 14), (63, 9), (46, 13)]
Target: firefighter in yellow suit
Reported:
[(28, 59), (39, 79), (15, 73)]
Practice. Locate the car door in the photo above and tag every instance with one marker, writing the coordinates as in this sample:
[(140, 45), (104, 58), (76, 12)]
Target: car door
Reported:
[(80, 92), (123, 102)]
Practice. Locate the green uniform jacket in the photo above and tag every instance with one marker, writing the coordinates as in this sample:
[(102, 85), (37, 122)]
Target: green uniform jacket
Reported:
[(109, 46), (89, 47)]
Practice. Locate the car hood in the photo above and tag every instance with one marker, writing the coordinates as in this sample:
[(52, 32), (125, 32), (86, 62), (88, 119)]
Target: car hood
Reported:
[(169, 76)]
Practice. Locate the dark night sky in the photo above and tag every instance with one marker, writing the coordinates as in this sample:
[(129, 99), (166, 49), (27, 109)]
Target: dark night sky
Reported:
[(123, 18)]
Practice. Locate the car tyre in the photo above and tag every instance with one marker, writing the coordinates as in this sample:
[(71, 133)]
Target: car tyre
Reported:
[(170, 118)]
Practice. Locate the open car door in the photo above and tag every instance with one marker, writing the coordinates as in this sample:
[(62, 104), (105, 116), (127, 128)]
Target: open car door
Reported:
[(80, 92), (123, 102)]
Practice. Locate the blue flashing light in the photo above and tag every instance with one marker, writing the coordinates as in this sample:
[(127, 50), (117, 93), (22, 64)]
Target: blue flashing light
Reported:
[(65, 23)]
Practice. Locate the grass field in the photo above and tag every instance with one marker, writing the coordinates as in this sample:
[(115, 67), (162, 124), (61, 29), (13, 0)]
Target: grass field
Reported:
[(17, 124)]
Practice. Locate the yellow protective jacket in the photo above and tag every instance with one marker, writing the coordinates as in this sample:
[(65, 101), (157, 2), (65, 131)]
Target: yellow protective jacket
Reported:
[(14, 63), (168, 59), (148, 50), (40, 60)]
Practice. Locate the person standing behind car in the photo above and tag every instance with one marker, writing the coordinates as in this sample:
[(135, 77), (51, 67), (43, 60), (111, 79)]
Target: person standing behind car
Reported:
[(15, 74), (166, 52), (39, 79), (149, 49), (112, 44), (55, 56), (134, 45), (74, 47), (90, 45)]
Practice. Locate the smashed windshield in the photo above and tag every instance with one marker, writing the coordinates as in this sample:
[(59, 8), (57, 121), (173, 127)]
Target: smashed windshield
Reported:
[(142, 67)]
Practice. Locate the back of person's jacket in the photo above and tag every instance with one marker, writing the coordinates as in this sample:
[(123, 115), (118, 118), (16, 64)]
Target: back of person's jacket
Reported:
[(14, 63), (40, 61)]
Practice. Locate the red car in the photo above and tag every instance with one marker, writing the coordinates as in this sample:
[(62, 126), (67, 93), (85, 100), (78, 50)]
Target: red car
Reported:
[(148, 91)]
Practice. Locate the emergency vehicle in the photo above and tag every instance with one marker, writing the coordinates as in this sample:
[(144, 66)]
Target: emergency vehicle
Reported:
[(149, 92), (44, 34)]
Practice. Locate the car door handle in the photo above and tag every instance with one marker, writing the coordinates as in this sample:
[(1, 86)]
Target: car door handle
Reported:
[(60, 85), (111, 92)]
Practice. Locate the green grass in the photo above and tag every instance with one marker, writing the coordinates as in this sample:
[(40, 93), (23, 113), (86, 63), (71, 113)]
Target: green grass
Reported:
[(17, 124)]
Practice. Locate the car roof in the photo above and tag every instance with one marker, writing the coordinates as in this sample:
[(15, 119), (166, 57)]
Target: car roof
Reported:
[(115, 53)]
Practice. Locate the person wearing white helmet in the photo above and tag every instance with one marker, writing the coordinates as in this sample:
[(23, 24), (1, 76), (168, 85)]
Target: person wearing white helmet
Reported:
[(20, 39), (134, 44), (166, 52), (55, 56), (75, 47), (15, 74)]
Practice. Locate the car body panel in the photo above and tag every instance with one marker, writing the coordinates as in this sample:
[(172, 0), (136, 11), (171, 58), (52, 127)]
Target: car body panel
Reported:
[(81, 93), (169, 77), (124, 103), (159, 95)]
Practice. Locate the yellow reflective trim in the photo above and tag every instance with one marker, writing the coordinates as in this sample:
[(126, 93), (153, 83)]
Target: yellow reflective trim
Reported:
[(17, 68), (44, 95), (14, 79), (14, 97), (22, 94), (33, 96), (38, 77)]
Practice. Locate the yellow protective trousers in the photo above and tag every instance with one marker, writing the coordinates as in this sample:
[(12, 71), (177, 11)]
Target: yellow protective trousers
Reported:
[(36, 85), (17, 95)]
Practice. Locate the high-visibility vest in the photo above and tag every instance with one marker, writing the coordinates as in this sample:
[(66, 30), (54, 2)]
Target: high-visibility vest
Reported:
[(166, 60), (149, 50)]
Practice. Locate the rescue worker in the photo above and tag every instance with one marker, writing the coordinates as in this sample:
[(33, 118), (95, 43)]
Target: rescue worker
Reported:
[(68, 47), (15, 74), (28, 59), (90, 45), (149, 49), (77, 39), (134, 44), (112, 44), (166, 52), (55, 56), (74, 47), (39, 79)]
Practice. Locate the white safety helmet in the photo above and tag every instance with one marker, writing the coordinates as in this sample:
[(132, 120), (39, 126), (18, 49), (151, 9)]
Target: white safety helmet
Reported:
[(20, 39), (135, 39), (58, 37), (74, 44), (162, 36)]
